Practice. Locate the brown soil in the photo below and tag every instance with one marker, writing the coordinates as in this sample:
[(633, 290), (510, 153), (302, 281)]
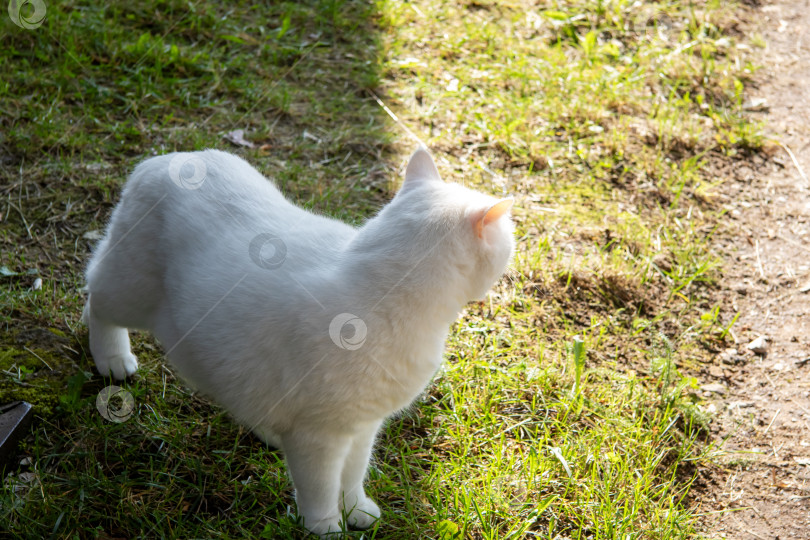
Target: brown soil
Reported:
[(761, 485)]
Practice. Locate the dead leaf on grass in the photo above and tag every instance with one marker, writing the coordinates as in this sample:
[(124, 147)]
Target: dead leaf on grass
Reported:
[(237, 137)]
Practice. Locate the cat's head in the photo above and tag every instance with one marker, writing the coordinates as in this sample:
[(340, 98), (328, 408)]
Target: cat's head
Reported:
[(468, 235)]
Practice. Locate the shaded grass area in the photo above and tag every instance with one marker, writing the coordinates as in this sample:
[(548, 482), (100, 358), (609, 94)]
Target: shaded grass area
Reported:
[(564, 409)]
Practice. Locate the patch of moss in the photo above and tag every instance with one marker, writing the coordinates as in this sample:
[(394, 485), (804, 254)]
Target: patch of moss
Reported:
[(24, 376), (57, 332)]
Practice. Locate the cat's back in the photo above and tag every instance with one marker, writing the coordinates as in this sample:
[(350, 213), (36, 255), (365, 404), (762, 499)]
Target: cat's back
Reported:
[(213, 193), (188, 178), (190, 207)]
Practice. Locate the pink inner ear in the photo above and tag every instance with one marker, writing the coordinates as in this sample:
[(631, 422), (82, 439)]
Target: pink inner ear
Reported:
[(495, 212)]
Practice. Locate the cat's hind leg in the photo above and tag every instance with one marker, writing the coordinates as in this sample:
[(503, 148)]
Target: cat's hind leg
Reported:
[(109, 345)]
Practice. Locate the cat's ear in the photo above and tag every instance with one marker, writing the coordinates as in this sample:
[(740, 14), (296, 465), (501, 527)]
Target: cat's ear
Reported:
[(490, 215), (421, 168)]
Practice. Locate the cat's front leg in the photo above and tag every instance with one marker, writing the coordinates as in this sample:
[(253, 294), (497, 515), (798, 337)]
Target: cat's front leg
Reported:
[(361, 510), (315, 461)]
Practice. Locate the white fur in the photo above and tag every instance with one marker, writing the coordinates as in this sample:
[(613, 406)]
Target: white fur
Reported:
[(256, 337)]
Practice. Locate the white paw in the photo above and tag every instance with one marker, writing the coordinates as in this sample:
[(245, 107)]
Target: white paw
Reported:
[(363, 514), (328, 527), (120, 366)]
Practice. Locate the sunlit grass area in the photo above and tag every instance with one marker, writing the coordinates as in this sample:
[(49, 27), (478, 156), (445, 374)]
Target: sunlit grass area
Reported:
[(567, 407)]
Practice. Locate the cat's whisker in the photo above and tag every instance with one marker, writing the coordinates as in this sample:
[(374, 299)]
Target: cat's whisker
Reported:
[(396, 119)]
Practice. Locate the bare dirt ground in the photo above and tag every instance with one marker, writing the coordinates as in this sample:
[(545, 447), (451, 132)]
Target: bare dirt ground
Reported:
[(761, 487)]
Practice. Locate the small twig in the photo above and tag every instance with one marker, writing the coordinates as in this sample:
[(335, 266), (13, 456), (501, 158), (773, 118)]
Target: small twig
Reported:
[(793, 242), (25, 222), (38, 356), (724, 511), (759, 261), (799, 405), (795, 162), (749, 531), (678, 50), (803, 361), (772, 419)]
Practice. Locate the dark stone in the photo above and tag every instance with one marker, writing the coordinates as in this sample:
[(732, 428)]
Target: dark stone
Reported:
[(15, 418)]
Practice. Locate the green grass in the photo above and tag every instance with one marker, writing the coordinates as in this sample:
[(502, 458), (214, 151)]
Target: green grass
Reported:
[(566, 407)]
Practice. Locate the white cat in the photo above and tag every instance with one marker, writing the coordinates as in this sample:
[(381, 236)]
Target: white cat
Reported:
[(309, 331)]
